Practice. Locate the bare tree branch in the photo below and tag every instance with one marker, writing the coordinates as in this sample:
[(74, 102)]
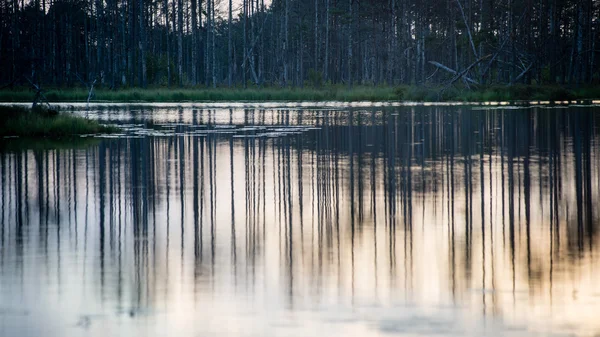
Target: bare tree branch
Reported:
[(464, 72), (450, 70), (489, 65), (38, 95), (520, 75), (90, 87)]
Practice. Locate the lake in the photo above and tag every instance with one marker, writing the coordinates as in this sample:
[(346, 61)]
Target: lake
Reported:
[(304, 220)]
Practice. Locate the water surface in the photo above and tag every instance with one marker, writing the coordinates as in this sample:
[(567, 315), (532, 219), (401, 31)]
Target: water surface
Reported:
[(306, 221)]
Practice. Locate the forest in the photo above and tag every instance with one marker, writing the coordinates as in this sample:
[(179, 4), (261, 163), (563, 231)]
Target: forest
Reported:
[(292, 43)]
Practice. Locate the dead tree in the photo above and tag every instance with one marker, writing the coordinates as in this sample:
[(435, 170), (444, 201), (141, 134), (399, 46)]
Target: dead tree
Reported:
[(39, 95)]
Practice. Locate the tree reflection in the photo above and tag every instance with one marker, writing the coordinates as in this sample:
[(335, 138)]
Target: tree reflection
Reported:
[(365, 202)]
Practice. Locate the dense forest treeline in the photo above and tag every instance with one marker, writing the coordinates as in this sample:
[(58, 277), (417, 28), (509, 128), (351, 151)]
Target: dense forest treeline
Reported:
[(137, 43)]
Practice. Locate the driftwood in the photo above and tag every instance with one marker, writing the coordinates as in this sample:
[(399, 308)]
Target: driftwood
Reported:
[(452, 71), (464, 72), (459, 75)]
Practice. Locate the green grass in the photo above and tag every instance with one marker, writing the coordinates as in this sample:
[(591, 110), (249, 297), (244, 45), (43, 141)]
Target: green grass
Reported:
[(333, 93), (42, 123), (326, 93)]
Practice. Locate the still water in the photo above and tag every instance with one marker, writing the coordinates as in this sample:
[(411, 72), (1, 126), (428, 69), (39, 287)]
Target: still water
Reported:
[(306, 221)]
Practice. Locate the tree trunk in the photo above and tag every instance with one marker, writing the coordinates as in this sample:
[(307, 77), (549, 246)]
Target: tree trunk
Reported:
[(245, 46), (326, 62), (351, 18), (142, 45), (579, 70), (168, 51), (392, 43), (213, 46), (285, 44), (100, 41), (261, 67), (229, 47), (180, 41), (132, 42), (194, 45), (316, 51)]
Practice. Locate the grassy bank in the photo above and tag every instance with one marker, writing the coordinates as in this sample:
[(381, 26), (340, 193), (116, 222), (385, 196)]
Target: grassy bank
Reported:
[(44, 123), (328, 93)]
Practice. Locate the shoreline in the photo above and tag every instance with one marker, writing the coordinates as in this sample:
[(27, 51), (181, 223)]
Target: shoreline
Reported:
[(302, 104), (397, 95)]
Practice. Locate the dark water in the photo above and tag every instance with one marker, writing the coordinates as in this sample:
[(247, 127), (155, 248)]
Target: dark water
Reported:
[(364, 221)]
